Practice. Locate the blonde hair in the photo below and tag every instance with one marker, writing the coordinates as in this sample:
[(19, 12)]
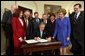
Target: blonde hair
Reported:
[(62, 10)]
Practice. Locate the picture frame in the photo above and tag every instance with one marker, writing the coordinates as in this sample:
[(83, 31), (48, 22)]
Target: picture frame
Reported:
[(48, 8)]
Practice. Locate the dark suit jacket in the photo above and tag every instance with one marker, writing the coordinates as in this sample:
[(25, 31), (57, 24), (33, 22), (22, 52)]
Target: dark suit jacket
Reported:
[(6, 19), (50, 27), (6, 24), (35, 24), (78, 27), (7, 27), (29, 29), (37, 34)]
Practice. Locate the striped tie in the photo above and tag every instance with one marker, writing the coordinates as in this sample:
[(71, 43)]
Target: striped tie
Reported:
[(75, 17)]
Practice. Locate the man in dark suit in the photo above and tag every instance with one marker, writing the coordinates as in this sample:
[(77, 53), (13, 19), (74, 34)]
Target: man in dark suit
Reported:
[(28, 24), (77, 33), (36, 21), (7, 27), (41, 33), (44, 18), (31, 15)]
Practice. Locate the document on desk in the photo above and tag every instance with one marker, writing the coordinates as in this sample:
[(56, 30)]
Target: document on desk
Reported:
[(35, 41), (31, 41), (42, 40)]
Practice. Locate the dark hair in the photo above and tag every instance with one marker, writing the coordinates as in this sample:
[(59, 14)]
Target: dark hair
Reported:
[(27, 10), (62, 10), (31, 12), (52, 14), (17, 13), (78, 4), (41, 23), (35, 13)]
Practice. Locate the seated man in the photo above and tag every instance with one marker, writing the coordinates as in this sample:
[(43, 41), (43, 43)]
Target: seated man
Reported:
[(40, 33)]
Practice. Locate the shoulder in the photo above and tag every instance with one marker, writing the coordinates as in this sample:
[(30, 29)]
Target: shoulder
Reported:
[(57, 19), (72, 13), (37, 30), (15, 18), (67, 18), (7, 12), (82, 12)]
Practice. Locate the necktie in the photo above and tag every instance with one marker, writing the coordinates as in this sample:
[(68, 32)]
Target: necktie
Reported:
[(75, 17), (26, 23)]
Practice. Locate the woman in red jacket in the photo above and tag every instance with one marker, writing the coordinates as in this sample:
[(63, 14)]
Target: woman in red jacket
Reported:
[(18, 30)]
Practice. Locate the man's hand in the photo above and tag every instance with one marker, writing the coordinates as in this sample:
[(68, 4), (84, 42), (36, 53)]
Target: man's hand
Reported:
[(25, 38), (53, 37), (49, 39), (37, 38), (20, 39), (68, 38)]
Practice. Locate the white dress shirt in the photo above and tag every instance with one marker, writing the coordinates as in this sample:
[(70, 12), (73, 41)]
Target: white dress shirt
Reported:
[(41, 32), (26, 22), (21, 21), (45, 21), (78, 15)]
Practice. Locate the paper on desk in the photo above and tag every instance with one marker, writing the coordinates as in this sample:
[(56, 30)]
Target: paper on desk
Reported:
[(35, 41), (42, 40), (31, 41)]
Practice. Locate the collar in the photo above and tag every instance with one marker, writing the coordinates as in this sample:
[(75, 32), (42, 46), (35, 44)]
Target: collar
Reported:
[(11, 11)]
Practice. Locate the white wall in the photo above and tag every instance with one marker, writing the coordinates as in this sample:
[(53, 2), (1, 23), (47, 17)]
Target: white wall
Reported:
[(27, 4), (39, 5), (68, 5), (5, 4)]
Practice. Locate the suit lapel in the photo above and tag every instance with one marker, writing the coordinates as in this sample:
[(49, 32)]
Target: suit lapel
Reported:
[(39, 33)]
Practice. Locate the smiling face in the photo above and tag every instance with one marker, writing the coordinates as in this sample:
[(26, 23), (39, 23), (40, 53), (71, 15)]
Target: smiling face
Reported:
[(76, 8), (61, 15), (44, 17), (52, 18), (27, 14), (42, 26), (14, 8), (21, 14), (36, 15)]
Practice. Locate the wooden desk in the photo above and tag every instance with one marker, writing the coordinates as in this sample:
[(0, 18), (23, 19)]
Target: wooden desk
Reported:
[(29, 48)]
